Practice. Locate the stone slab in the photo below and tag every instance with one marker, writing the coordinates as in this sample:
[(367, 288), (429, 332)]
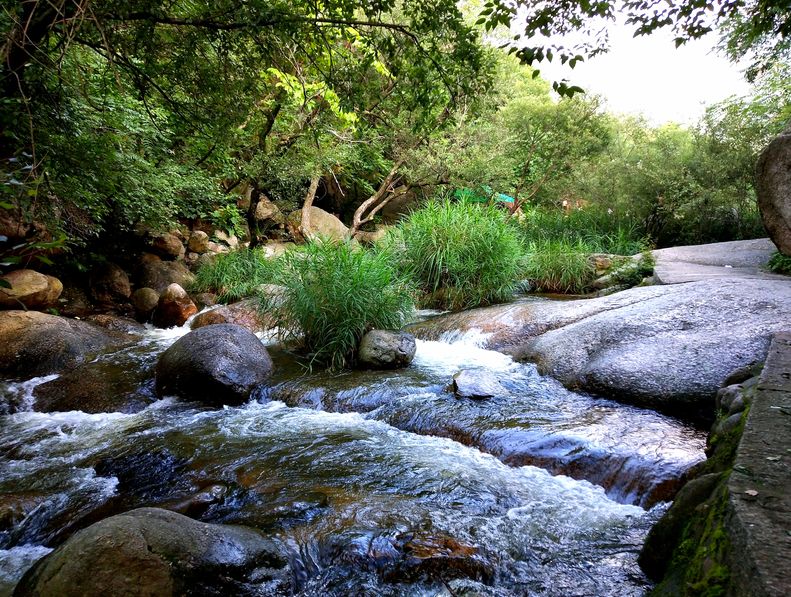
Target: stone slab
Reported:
[(759, 520)]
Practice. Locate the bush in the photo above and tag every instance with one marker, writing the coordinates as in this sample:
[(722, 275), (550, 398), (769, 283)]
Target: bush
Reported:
[(336, 292), (600, 230), (236, 275), (462, 255), (780, 264), (559, 266)]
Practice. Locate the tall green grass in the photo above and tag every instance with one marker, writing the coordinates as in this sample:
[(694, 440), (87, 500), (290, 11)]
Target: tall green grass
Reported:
[(462, 255), (600, 230), (336, 292), (559, 266), (236, 275), (780, 264)]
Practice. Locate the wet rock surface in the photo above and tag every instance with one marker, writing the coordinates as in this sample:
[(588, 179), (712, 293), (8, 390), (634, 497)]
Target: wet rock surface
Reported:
[(476, 384), (33, 343), (665, 347), (385, 349), (217, 364), (174, 307), (155, 552), (245, 313)]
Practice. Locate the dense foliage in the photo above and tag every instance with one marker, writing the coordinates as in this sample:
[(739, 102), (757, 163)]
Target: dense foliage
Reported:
[(462, 254)]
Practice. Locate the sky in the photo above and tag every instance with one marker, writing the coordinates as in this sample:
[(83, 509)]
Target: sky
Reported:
[(648, 75)]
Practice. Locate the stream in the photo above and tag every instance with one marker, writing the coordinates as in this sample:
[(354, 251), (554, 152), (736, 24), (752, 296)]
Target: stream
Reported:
[(376, 483)]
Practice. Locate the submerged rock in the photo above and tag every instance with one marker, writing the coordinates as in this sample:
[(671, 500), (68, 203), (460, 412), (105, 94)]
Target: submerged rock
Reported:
[(33, 343), (29, 290), (96, 387), (217, 364), (156, 552), (385, 349)]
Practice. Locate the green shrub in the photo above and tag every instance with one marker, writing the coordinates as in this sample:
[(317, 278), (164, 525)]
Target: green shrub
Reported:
[(236, 274), (461, 254), (559, 266), (336, 292), (780, 264), (601, 230)]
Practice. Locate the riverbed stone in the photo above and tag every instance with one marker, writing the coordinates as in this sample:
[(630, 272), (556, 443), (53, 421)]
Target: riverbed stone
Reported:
[(386, 349), (174, 308), (217, 364), (198, 242), (168, 246), (773, 188), (144, 300), (244, 313), (477, 383), (150, 551), (34, 343), (30, 290), (154, 273), (109, 284)]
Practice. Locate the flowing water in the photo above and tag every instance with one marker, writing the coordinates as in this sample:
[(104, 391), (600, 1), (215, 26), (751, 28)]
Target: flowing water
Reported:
[(376, 483)]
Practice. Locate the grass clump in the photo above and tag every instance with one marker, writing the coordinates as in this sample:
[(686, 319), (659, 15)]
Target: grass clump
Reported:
[(334, 293), (236, 275), (462, 255), (780, 264), (600, 230), (559, 266)]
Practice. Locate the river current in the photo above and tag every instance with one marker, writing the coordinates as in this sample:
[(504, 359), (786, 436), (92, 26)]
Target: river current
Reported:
[(540, 491)]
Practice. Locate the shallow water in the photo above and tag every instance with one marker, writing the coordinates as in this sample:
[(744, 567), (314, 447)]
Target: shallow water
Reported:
[(352, 471)]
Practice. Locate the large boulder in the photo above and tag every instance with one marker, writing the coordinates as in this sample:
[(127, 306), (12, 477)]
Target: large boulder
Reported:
[(217, 364), (198, 242), (29, 289), (150, 551), (244, 313), (174, 308), (109, 284), (773, 187), (145, 300), (154, 273), (266, 211), (667, 347), (672, 347), (33, 343), (385, 349), (322, 224), (168, 246)]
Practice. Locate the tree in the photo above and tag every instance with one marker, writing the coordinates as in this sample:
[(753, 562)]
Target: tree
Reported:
[(268, 93)]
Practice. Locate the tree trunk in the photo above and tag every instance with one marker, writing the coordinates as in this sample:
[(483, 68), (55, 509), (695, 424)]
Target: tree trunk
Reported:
[(371, 206), (304, 224)]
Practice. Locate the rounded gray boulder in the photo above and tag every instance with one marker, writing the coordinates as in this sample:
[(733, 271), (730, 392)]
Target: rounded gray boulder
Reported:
[(384, 349), (217, 364), (773, 188), (150, 551)]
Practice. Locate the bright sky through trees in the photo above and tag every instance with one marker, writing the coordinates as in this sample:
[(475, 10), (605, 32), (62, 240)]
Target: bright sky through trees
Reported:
[(649, 75)]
